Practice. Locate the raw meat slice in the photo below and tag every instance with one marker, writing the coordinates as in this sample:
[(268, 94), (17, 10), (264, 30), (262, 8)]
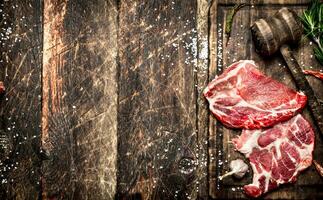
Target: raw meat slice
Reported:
[(278, 154), (317, 74), (242, 97)]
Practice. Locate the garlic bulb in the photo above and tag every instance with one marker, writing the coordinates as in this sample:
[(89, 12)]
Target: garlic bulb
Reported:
[(238, 169)]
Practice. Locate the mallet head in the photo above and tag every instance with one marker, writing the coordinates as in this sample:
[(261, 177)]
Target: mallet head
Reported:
[(271, 33)]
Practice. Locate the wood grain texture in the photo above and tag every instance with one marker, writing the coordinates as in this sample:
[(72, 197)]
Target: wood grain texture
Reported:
[(213, 50), (264, 2), (157, 139), (240, 47), (203, 10), (20, 108), (79, 99)]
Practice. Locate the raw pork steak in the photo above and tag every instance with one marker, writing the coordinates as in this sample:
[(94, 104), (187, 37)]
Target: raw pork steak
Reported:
[(242, 97), (278, 154)]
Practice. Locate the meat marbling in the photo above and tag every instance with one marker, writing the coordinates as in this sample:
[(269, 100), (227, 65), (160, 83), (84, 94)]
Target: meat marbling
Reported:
[(278, 154), (243, 97)]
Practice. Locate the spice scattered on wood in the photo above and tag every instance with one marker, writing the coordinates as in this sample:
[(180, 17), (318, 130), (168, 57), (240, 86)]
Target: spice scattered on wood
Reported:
[(229, 19), (317, 74), (318, 167), (238, 169)]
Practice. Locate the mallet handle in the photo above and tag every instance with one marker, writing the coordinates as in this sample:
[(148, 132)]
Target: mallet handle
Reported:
[(302, 84)]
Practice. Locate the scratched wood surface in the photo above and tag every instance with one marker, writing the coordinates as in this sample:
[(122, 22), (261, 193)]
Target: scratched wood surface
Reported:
[(20, 107), (157, 140), (104, 98), (79, 99)]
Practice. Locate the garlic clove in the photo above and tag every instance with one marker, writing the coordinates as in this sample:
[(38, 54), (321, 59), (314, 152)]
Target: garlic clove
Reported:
[(238, 169)]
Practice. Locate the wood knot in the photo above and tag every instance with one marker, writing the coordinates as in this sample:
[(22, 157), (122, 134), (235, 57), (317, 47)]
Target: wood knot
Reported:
[(186, 166)]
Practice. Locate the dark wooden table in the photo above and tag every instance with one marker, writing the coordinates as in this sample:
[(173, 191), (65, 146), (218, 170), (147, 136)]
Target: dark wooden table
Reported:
[(104, 98)]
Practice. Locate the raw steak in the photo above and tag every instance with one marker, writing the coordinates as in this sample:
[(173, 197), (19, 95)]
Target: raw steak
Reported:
[(278, 154), (242, 97)]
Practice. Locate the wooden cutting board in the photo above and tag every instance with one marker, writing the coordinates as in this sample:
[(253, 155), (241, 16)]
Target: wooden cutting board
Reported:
[(240, 46)]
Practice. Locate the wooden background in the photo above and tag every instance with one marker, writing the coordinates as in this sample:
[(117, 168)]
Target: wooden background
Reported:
[(104, 98)]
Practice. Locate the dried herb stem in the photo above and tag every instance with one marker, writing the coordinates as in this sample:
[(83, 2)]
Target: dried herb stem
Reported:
[(229, 19), (318, 167)]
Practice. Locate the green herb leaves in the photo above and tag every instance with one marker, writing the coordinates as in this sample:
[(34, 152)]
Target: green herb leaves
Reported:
[(312, 20)]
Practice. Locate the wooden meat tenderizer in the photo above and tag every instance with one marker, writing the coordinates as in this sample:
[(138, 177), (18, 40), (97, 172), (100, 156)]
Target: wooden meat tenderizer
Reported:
[(275, 33)]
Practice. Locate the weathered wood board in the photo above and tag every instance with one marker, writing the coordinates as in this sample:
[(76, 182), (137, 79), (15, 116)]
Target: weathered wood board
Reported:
[(157, 138), (20, 107), (79, 105), (240, 46)]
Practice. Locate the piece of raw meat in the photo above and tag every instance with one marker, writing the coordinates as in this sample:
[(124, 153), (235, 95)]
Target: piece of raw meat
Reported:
[(277, 154), (243, 97), (317, 74)]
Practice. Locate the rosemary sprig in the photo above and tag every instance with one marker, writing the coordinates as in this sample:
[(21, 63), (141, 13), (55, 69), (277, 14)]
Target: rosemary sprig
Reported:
[(229, 19), (312, 20)]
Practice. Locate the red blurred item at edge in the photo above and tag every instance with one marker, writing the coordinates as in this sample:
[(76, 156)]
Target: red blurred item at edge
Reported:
[(2, 88), (317, 74)]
